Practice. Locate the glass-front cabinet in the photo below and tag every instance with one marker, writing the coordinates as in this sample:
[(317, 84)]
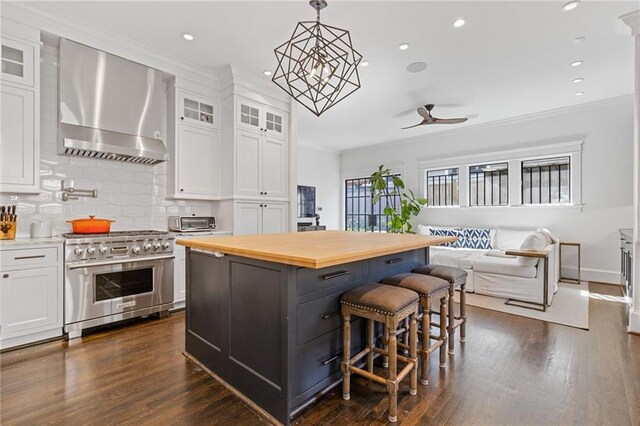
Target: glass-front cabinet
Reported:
[(194, 110), (17, 62), (258, 117)]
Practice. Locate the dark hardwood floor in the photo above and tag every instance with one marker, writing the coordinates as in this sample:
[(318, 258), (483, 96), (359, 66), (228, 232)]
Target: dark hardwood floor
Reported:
[(512, 370)]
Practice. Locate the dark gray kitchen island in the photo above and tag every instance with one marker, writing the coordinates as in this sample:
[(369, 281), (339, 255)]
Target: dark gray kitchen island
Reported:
[(263, 312)]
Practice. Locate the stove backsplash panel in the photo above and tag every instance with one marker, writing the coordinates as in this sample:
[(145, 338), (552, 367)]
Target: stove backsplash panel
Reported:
[(131, 194)]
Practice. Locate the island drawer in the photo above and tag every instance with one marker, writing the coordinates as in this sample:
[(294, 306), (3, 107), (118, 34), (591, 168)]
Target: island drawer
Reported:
[(311, 280), (320, 359), (319, 316), (384, 266)]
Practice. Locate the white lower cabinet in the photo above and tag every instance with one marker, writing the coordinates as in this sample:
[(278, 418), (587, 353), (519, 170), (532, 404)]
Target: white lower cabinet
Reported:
[(31, 297), (260, 218)]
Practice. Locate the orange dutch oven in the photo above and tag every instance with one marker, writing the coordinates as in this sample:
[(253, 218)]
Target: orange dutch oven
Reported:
[(91, 225)]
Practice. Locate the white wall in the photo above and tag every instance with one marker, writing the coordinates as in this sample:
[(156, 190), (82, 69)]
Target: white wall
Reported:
[(132, 194), (321, 168), (607, 130)]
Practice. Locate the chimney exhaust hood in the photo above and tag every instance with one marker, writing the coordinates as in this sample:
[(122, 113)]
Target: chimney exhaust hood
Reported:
[(109, 107)]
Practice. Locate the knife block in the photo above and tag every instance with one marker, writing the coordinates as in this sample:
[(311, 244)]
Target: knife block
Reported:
[(8, 230)]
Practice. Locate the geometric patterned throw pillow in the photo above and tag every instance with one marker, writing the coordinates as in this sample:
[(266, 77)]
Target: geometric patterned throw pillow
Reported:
[(450, 232), (477, 238)]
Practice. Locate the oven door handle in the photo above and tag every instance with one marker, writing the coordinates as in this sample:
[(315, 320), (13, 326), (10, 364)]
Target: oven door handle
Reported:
[(118, 262)]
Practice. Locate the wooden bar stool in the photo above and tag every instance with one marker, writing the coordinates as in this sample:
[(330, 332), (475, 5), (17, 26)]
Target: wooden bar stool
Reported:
[(457, 278), (389, 306), (429, 288)]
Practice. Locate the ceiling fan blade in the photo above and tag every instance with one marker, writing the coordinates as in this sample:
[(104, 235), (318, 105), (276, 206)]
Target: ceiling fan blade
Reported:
[(424, 113), (449, 120), (423, 122)]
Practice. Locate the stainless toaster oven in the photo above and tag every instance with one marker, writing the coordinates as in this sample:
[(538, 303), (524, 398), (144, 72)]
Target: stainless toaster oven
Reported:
[(192, 223)]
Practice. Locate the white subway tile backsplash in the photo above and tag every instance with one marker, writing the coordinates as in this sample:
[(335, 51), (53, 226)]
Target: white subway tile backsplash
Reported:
[(134, 195)]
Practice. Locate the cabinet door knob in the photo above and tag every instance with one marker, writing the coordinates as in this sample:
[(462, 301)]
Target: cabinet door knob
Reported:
[(181, 190), (265, 193), (5, 276), (181, 118), (265, 205)]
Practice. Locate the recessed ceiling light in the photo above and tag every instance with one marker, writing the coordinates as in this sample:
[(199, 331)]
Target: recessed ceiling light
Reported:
[(578, 80), (187, 36), (364, 64), (576, 63), (459, 22), (403, 46), (571, 5), (579, 93), (579, 40), (416, 67), (266, 72)]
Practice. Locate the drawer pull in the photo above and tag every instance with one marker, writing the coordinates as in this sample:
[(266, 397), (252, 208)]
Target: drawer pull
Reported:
[(335, 275), (330, 360), (395, 260), (29, 257), (329, 315)]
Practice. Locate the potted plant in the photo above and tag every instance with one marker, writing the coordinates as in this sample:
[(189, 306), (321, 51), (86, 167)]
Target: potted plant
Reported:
[(410, 205)]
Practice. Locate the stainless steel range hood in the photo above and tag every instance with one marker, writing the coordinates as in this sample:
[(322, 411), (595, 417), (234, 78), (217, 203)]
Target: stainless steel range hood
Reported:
[(109, 107)]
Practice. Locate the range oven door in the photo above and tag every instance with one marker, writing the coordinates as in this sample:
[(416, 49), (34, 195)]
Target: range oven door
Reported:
[(112, 287)]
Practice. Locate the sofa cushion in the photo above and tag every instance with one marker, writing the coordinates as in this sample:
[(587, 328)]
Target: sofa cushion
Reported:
[(503, 266), (536, 241), (458, 233), (477, 238), (511, 239), (458, 258)]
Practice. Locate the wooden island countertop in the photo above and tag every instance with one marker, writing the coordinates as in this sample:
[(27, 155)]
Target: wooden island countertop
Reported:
[(314, 249)]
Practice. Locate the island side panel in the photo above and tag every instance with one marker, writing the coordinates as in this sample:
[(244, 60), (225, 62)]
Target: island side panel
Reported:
[(253, 321)]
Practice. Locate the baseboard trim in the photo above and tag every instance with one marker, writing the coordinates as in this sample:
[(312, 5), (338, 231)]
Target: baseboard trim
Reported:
[(634, 321), (594, 275)]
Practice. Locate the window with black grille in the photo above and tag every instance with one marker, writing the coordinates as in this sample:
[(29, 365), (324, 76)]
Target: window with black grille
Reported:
[(489, 185), (442, 187), (546, 181), (360, 213)]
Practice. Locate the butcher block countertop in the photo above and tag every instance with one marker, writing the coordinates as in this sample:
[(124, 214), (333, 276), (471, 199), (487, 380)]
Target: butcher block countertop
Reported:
[(315, 249)]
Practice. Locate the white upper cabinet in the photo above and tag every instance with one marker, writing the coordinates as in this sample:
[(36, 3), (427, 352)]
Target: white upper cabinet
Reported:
[(261, 165), (261, 118), (20, 131), (18, 61), (274, 167), (193, 141), (198, 161), (248, 163), (198, 111), (18, 139)]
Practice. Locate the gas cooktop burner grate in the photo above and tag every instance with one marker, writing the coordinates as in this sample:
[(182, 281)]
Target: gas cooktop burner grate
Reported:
[(118, 234)]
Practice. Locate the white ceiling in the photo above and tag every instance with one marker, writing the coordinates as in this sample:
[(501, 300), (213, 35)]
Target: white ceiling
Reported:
[(511, 59)]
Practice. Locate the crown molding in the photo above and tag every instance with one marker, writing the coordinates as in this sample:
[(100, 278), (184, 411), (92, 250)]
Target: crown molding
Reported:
[(45, 18), (497, 123), (632, 19), (319, 148)]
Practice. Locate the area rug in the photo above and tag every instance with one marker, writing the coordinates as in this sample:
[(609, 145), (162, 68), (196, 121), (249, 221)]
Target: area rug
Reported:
[(570, 306)]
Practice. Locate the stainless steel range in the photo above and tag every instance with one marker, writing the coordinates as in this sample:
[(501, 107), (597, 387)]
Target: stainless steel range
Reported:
[(116, 276)]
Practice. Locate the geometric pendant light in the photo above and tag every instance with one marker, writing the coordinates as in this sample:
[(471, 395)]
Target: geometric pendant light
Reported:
[(318, 66)]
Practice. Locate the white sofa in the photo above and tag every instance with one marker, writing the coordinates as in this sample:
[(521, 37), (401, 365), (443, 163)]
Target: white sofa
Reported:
[(492, 273)]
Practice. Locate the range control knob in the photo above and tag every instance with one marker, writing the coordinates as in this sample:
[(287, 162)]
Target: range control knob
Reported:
[(156, 246), (102, 249), (91, 250), (165, 244), (78, 251), (135, 249), (146, 246)]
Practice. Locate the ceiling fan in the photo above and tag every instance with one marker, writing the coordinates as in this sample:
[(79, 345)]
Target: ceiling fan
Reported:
[(427, 118)]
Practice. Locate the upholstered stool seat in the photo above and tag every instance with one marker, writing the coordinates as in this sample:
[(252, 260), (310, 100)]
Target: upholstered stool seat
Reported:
[(429, 288), (457, 278), (388, 305)]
